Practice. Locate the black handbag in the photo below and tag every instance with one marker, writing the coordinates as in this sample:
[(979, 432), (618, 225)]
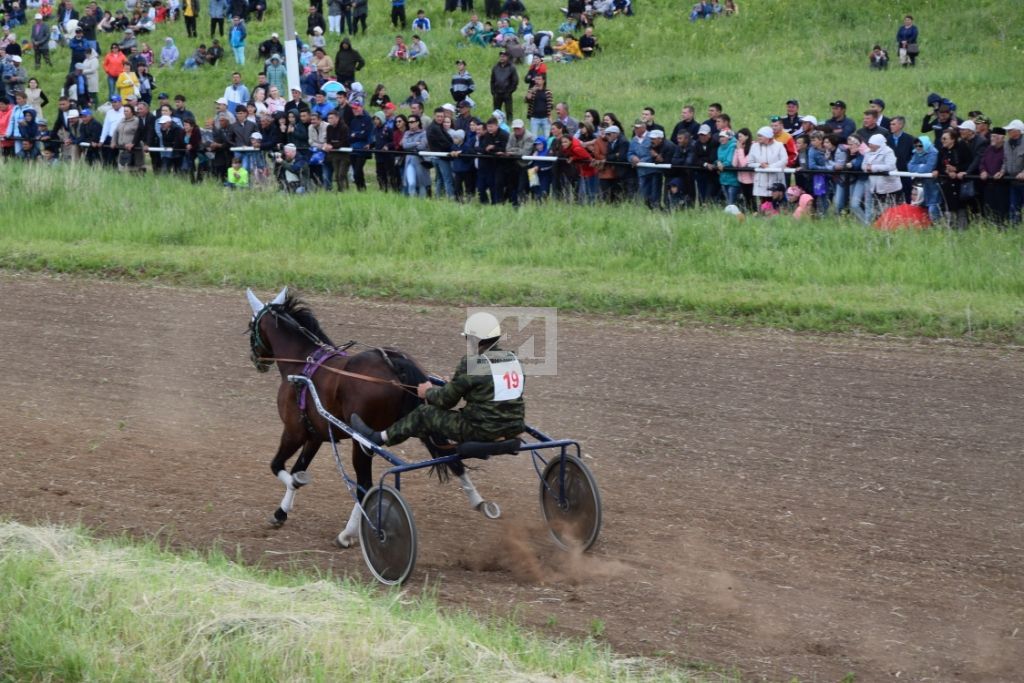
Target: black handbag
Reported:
[(913, 49)]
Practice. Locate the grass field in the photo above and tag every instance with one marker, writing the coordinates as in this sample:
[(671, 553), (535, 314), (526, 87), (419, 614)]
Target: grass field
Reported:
[(76, 609), (828, 276)]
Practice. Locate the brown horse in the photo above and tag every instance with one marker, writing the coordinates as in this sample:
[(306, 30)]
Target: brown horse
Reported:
[(375, 385)]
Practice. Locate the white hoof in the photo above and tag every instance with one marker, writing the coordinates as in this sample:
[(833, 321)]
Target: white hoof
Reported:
[(344, 541)]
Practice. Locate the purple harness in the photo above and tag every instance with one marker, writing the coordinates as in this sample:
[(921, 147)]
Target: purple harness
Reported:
[(313, 363)]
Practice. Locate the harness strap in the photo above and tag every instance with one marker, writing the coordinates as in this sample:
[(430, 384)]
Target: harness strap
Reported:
[(314, 363)]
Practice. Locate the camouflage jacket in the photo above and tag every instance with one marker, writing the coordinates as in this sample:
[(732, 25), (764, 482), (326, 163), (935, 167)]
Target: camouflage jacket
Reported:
[(474, 383)]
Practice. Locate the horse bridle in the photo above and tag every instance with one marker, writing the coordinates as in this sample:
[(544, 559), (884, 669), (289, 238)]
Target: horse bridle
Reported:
[(259, 353)]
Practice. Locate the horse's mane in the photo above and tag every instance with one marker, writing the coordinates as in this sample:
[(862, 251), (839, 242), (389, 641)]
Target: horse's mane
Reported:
[(298, 309)]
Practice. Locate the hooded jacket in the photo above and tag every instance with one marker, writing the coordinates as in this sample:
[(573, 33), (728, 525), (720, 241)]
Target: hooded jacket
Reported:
[(348, 60), (923, 160)]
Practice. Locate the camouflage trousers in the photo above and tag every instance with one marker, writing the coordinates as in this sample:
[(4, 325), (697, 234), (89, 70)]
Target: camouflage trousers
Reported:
[(429, 420)]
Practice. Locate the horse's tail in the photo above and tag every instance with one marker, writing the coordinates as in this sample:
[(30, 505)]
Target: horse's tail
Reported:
[(411, 374)]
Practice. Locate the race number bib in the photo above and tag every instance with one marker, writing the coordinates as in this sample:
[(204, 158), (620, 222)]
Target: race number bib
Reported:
[(508, 380)]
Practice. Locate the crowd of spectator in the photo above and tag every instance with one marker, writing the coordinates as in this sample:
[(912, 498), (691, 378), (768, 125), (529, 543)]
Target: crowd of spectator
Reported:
[(330, 131)]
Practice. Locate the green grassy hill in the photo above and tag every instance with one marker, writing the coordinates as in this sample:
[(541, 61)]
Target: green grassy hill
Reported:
[(774, 50)]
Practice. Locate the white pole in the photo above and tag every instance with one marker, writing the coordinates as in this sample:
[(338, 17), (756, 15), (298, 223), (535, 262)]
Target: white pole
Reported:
[(291, 50)]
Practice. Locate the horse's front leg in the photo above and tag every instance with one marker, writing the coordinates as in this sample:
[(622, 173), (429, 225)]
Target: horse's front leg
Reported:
[(291, 440), (363, 465)]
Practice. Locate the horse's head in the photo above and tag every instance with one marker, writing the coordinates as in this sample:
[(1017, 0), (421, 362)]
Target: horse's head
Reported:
[(260, 351)]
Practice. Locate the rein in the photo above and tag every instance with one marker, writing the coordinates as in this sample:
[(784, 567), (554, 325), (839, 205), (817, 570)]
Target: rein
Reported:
[(337, 371)]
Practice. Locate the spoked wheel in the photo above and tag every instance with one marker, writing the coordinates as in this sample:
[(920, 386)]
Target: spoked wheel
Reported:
[(570, 503), (387, 535)]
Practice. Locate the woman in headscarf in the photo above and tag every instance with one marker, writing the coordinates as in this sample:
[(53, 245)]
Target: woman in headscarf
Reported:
[(169, 54)]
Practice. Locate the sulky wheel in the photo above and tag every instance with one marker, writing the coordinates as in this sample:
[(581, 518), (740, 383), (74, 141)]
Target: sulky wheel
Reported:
[(387, 535), (570, 502)]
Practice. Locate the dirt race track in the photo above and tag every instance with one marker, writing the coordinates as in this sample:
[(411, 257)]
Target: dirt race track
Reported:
[(787, 505)]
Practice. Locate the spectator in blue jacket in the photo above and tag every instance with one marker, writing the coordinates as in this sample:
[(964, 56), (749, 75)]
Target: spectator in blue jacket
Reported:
[(924, 160), (906, 42)]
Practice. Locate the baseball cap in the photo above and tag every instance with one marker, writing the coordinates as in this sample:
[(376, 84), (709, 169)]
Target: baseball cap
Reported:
[(462, 103), (115, 98), (725, 134), (837, 103), (612, 129), (221, 100), (879, 101), (777, 187), (983, 119), (968, 125), (72, 114), (390, 106), (639, 122), (256, 136), (704, 129), (518, 123), (795, 102), (654, 134), (87, 112), (16, 59), (165, 119), (773, 119), (1016, 124), (809, 119), (274, 35), (162, 96), (503, 53)]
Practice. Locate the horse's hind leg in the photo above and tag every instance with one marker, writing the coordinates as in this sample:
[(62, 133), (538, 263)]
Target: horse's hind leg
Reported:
[(363, 465)]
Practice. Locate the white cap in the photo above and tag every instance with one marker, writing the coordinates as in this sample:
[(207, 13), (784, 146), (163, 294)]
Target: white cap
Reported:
[(274, 35), (877, 139), (256, 136), (448, 106), (482, 325), (38, 17), (221, 100), (704, 129), (517, 123), (317, 30), (809, 119), (291, 147), (356, 86), (765, 132), (165, 119), (16, 59), (733, 210), (968, 125), (612, 129), (1016, 124), (656, 134), (71, 114)]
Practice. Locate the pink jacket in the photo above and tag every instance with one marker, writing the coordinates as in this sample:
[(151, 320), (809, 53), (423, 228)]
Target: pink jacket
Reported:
[(739, 158)]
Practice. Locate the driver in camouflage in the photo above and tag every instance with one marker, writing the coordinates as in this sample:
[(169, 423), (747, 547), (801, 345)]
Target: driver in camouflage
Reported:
[(491, 382)]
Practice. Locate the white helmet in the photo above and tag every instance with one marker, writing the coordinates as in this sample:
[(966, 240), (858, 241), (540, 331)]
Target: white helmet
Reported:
[(482, 325)]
